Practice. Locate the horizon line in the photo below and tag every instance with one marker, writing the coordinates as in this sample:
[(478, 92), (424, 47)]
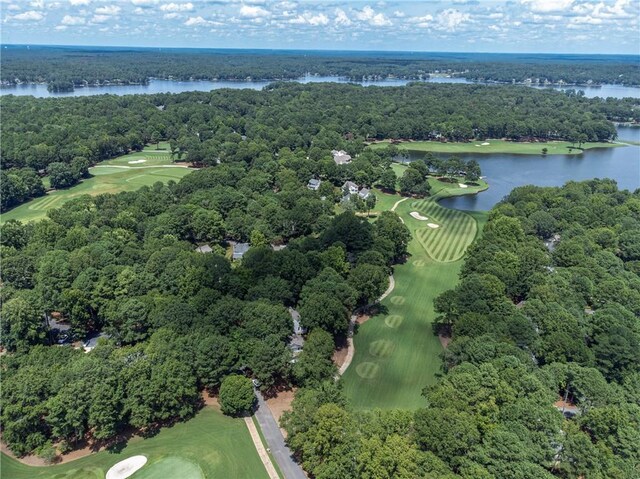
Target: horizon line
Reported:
[(5, 45)]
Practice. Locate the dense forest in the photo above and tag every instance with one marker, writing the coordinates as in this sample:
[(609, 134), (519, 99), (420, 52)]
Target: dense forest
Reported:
[(544, 321), (67, 68), (62, 137), (174, 320)]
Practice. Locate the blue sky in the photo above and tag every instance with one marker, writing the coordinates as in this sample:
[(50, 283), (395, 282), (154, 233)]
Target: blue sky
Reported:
[(555, 26)]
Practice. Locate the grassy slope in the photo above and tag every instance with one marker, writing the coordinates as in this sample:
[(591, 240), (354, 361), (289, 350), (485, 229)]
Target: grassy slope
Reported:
[(396, 352), (104, 180), (218, 445), (497, 146)]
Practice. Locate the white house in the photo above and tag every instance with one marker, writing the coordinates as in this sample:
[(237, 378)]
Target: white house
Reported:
[(341, 157), (350, 188)]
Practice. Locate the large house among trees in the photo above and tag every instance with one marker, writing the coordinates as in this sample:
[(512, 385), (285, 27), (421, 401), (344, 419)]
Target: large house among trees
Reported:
[(341, 157)]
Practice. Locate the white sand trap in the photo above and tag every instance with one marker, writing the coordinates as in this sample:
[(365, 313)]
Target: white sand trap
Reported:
[(433, 225), (462, 185), (126, 468), (418, 216), (135, 162), (486, 143)]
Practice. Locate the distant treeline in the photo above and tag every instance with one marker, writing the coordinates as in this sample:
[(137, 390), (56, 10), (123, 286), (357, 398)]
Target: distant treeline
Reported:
[(45, 135), (65, 68)]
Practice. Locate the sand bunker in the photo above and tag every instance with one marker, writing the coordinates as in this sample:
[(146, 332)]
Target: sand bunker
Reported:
[(433, 225), (462, 185), (485, 143), (126, 468), (418, 216), (135, 162)]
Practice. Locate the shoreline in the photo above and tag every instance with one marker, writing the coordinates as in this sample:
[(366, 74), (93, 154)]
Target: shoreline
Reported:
[(4, 85), (497, 146)]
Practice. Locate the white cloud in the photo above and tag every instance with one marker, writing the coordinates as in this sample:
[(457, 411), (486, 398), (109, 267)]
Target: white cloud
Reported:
[(171, 16), (342, 18), (195, 21), (30, 16), (71, 20), (100, 18), (37, 4), (77, 3), (253, 11), (61, 27), (451, 19), (143, 2), (368, 14), (311, 19), (399, 14), (108, 10), (424, 21), (177, 7), (545, 6), (139, 11), (13, 7)]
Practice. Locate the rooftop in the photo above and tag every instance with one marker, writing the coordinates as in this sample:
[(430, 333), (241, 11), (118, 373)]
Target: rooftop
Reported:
[(239, 249)]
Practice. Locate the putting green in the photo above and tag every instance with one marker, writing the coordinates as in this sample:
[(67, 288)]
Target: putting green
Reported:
[(396, 352), (457, 230), (170, 467)]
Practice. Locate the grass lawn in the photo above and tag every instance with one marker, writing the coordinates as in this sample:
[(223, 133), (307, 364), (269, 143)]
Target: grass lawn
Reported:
[(498, 146), (208, 446), (110, 176), (397, 354)]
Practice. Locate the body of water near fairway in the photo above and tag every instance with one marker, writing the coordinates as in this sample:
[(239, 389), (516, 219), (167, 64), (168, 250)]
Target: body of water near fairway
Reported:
[(168, 86), (504, 172)]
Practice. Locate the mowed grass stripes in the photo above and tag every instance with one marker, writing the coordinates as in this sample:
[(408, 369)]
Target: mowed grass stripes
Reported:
[(455, 233)]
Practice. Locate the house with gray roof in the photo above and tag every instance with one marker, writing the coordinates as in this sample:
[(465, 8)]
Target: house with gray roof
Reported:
[(314, 184), (239, 249), (350, 188), (205, 248), (364, 193)]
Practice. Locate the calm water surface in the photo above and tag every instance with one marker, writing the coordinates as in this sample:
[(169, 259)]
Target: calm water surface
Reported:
[(504, 172), (168, 86)]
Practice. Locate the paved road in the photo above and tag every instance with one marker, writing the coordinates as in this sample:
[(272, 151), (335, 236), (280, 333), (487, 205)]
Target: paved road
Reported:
[(275, 442)]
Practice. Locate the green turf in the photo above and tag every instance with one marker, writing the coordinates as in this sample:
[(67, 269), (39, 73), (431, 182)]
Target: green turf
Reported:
[(397, 354), (109, 177), (456, 230), (498, 146), (150, 155), (170, 466), (208, 446)]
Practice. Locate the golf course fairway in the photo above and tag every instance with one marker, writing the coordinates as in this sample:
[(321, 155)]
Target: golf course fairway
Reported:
[(396, 352)]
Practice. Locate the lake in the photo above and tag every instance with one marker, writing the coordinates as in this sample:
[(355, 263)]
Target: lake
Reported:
[(169, 86), (504, 172)]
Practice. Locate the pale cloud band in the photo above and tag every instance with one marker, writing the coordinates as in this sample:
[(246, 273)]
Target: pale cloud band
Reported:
[(590, 26)]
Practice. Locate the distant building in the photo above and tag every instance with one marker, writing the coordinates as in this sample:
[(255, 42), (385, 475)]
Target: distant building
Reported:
[(341, 157), (364, 193), (314, 184), (552, 242), (350, 188), (205, 248), (239, 249), (296, 341)]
